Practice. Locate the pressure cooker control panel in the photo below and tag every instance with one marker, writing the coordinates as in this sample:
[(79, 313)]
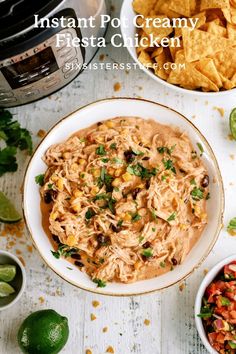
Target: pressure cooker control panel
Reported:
[(39, 71)]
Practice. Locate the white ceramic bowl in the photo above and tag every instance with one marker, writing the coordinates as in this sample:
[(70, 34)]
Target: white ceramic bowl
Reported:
[(129, 30), (198, 302), (18, 282), (84, 117)]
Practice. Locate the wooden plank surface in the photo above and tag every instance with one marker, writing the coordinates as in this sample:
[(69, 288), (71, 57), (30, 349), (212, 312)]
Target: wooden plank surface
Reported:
[(171, 328)]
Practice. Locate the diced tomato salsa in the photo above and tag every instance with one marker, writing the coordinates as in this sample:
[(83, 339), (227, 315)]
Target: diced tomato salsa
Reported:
[(218, 310)]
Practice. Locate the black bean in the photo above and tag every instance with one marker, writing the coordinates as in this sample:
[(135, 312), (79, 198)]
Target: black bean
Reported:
[(79, 264), (135, 192), (76, 256), (174, 261), (99, 123), (146, 158), (129, 156), (181, 170), (56, 238), (115, 228), (103, 240), (205, 181), (47, 198), (147, 244), (147, 184)]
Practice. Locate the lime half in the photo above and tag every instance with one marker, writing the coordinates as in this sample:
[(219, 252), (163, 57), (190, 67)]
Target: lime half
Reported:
[(6, 289), (8, 213), (7, 272), (232, 120)]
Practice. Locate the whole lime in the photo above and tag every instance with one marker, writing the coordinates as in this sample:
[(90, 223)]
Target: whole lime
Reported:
[(43, 332)]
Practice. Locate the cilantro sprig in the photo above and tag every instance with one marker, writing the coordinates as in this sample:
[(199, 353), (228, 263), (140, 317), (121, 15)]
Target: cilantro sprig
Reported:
[(15, 138)]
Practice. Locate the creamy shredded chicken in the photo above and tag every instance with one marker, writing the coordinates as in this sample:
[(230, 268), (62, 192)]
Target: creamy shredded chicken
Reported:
[(127, 197)]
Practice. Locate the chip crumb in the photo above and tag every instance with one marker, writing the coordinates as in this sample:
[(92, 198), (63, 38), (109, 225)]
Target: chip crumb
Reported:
[(101, 57), (88, 351), (41, 133), (231, 232), (232, 156), (220, 110), (110, 349), (182, 286), (41, 299), (105, 329), (93, 317), (206, 270), (95, 303), (147, 322), (117, 87)]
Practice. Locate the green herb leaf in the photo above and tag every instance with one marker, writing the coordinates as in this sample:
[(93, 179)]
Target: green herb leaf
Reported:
[(232, 344), (136, 217), (116, 160), (197, 194), (120, 222), (138, 153), (148, 252), (55, 254), (225, 301), (162, 264), (105, 160), (113, 146), (40, 179), (172, 217), (100, 283), (193, 182), (105, 179), (89, 214), (168, 164), (200, 147), (140, 171), (101, 150), (232, 224), (206, 312), (165, 149), (8, 160)]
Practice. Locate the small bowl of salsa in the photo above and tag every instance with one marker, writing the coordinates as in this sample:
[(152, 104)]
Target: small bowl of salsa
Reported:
[(215, 308)]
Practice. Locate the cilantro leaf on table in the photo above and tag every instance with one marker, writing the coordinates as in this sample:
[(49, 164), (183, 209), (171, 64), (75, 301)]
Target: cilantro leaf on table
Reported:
[(14, 137)]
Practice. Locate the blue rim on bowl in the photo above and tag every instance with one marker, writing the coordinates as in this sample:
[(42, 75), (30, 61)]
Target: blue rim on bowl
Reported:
[(18, 283), (210, 276)]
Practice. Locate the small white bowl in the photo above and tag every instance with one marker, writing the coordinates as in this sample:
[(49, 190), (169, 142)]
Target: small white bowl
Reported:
[(198, 302), (128, 30), (97, 112), (18, 282)]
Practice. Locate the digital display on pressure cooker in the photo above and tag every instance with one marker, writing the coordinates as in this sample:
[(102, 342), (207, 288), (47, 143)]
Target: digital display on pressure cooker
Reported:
[(31, 69)]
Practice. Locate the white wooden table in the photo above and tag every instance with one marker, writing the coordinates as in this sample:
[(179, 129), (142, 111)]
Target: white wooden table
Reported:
[(171, 328)]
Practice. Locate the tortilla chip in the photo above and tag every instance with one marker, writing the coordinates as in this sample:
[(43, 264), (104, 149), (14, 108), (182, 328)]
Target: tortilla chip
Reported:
[(190, 77), (207, 68), (214, 4), (201, 21), (163, 59), (230, 15), (156, 52), (231, 31), (199, 44), (214, 28), (143, 7), (158, 33), (162, 7), (225, 62), (145, 59), (182, 7), (174, 50)]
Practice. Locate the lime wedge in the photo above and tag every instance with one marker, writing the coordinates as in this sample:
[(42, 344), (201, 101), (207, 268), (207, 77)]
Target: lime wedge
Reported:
[(6, 289), (8, 213), (7, 272), (232, 121)]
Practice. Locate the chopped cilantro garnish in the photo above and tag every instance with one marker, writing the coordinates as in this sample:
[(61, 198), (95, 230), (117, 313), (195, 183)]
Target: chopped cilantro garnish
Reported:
[(208, 196), (163, 178), (154, 216), (140, 171), (101, 150), (172, 217), (116, 189), (106, 179), (148, 252), (193, 181), (225, 301), (105, 160), (206, 312), (40, 179), (113, 146), (197, 194), (136, 217), (138, 153), (232, 224), (168, 164), (120, 222), (64, 251), (50, 185), (153, 229), (100, 283), (162, 264), (108, 198), (140, 239), (89, 214), (164, 149), (117, 160), (200, 147)]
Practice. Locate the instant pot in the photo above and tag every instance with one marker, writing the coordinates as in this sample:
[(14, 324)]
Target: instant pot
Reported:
[(32, 66)]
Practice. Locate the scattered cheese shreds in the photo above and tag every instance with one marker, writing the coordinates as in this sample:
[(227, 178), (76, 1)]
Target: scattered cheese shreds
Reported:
[(110, 350), (41, 299), (117, 87), (147, 322), (88, 351), (41, 133), (220, 110), (93, 317), (105, 329), (181, 286), (95, 303)]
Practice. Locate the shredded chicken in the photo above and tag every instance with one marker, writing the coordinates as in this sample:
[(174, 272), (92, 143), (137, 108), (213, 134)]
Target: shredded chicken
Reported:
[(128, 196)]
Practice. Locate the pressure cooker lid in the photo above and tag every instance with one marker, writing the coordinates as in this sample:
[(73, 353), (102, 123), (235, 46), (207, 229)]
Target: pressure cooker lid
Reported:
[(18, 15)]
